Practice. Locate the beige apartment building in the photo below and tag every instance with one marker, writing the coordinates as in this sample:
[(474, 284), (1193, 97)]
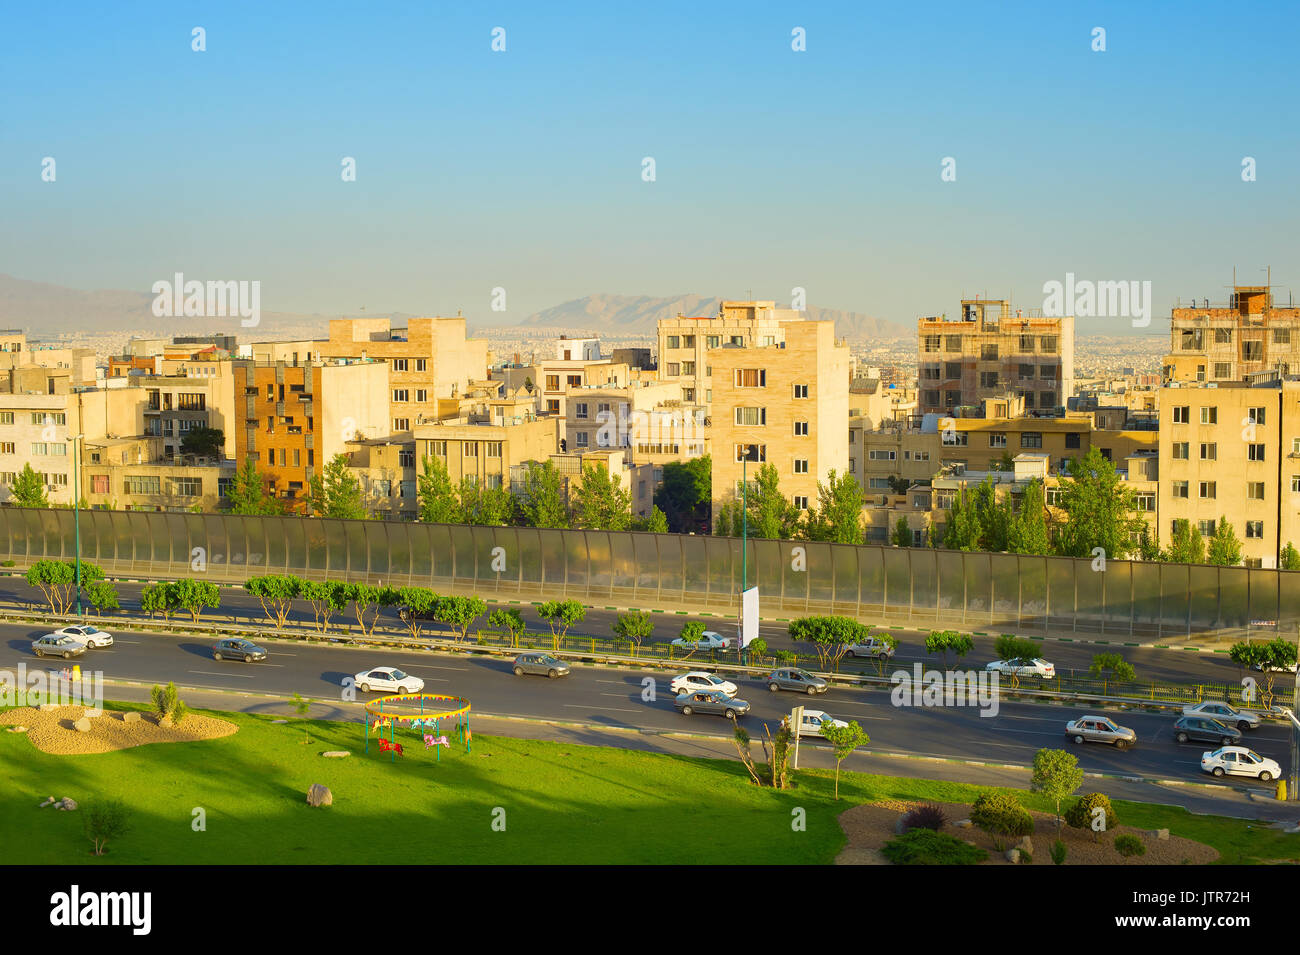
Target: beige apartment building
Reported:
[(1232, 449), (988, 352), (791, 400), (1224, 342), (484, 448)]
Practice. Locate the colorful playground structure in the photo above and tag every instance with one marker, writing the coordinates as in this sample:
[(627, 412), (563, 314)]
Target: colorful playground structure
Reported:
[(420, 711)]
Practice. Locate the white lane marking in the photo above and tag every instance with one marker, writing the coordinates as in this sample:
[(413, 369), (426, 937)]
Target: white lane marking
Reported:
[(428, 666), (242, 676), (584, 706)]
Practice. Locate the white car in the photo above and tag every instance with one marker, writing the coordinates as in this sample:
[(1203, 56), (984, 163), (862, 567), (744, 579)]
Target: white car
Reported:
[(389, 680), (91, 635), (1225, 713), (709, 641), (697, 681), (1287, 669), (1240, 761), (814, 720), (1035, 667)]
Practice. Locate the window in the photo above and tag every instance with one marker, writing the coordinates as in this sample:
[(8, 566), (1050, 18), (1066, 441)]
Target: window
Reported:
[(801, 391), (39, 447), (552, 405), (1295, 484), (187, 486), (1047, 343), (422, 395), (750, 417), (406, 459), (738, 341), (853, 465), (494, 449), (471, 449), (581, 439), (99, 484), (801, 430), (580, 409), (988, 353), (1072, 439), (1206, 528), (956, 439), (1180, 450), (399, 364), (49, 417), (406, 489), (1026, 371), (1047, 399), (1209, 489), (1222, 369), (1146, 502), (401, 394), (688, 368), (952, 343), (998, 440), (142, 485), (751, 378), (743, 449), (1209, 452), (882, 455), (1047, 372), (552, 382), (1255, 452), (1031, 439), (988, 379), (712, 341), (930, 344), (1281, 336), (1180, 488), (673, 342), (1223, 336), (6, 417), (1209, 416), (951, 370), (421, 364), (7, 447), (1254, 530), (1256, 415), (440, 447), (574, 381), (401, 424), (800, 465), (1182, 414), (1027, 343), (1252, 351), (801, 502), (879, 484), (1255, 490)]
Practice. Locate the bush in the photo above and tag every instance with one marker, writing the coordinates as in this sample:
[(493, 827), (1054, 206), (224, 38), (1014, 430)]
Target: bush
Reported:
[(1129, 845), (167, 703), (1000, 813), (1058, 852), (927, 847), (927, 816), (1079, 816)]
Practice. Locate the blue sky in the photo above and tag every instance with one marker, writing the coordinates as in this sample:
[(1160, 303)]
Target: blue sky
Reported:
[(774, 168)]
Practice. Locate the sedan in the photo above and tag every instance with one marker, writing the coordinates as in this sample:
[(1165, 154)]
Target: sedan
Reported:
[(92, 635), (1240, 761), (713, 701), (708, 641), (800, 681), (814, 720), (58, 645), (1206, 730), (237, 648), (1098, 729), (699, 681), (542, 664), (1225, 713), (872, 647), (1035, 667), (389, 679)]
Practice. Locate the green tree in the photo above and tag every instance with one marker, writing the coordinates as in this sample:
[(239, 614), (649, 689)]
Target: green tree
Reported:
[(57, 581), (1027, 533), (336, 491), (247, 493), (439, 503), (193, 596), (1186, 546), (601, 502), (484, 506), (902, 536), (962, 530), (276, 593), (838, 514), (844, 740), (101, 595), (633, 626), (1056, 776), (1224, 549), (1010, 647), (459, 613), (103, 820), (772, 516), (1112, 666), (830, 637), (417, 604), (1289, 559), (29, 489), (542, 501), (367, 601), (691, 634), (1269, 658), (946, 641), (1099, 509), (727, 522), (685, 493), (511, 621), (656, 523), (204, 442), (560, 615), (156, 599), (327, 597)]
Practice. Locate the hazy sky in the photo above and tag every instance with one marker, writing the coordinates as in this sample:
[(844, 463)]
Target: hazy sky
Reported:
[(774, 168)]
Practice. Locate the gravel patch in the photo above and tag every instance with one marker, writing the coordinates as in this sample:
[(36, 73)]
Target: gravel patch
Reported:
[(53, 731)]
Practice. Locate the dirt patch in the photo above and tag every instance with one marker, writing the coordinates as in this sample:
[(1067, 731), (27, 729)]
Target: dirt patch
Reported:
[(54, 731), (870, 826)]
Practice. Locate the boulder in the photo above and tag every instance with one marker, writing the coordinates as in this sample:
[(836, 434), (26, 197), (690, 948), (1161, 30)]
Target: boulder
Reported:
[(1026, 845), (93, 714), (46, 707), (131, 716), (47, 802), (336, 754), (68, 804), (279, 721), (1013, 855), (82, 725), (16, 729), (1161, 834), (319, 795)]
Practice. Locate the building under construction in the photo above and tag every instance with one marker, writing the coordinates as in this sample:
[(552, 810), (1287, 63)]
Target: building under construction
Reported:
[(1230, 341)]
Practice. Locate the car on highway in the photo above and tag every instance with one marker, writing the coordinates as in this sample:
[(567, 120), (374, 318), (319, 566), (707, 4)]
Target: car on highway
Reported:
[(711, 701), (700, 681), (1240, 761), (1099, 729), (797, 680), (237, 648), (388, 680), (58, 645), (1290, 668), (1036, 667), (709, 640), (1205, 730), (813, 720), (872, 647), (541, 664), (404, 613), (1225, 713), (92, 635)]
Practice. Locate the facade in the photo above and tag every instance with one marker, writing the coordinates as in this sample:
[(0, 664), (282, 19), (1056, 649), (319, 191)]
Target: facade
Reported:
[(484, 450), (1227, 342)]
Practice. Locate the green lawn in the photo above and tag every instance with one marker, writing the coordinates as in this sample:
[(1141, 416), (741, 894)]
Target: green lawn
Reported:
[(563, 804)]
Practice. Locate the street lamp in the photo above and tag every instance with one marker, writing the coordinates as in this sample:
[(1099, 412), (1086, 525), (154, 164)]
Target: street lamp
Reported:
[(750, 454), (76, 512)]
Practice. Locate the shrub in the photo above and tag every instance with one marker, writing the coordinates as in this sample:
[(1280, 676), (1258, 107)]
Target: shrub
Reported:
[(1079, 816), (926, 816), (927, 847), (1058, 852), (167, 703), (1129, 845), (1000, 813), (105, 819)]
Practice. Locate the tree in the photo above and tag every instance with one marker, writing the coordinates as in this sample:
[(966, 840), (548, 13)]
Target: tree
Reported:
[(366, 602), (1112, 666), (1186, 546), (193, 596), (656, 523), (1224, 549), (1099, 508), (1289, 559), (1010, 647), (439, 503), (247, 493), (1056, 775), (633, 626), (459, 613), (101, 595), (727, 520), (57, 581), (999, 814), (560, 615), (542, 502), (485, 506), (511, 621), (685, 493), (29, 489), (105, 819), (691, 634), (275, 592), (902, 535), (771, 515), (167, 704), (741, 739), (336, 491), (601, 502), (838, 514), (962, 529), (327, 597), (943, 641), (1268, 658), (831, 637), (844, 740), (302, 708), (204, 442), (1027, 533), (418, 604), (156, 599)]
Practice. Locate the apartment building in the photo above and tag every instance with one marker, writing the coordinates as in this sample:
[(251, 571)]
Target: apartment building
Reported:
[(1225, 342), (129, 474), (646, 418), (483, 448), (790, 400), (638, 481), (989, 352), (386, 469), (1232, 449)]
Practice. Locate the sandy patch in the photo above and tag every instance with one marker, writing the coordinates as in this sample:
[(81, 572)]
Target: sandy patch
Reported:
[(52, 731), (870, 826)]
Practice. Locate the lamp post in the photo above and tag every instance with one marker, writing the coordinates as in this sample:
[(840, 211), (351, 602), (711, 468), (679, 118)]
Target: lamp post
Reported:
[(751, 454), (76, 513)]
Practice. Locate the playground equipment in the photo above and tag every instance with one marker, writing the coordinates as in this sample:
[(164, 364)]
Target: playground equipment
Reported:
[(424, 711)]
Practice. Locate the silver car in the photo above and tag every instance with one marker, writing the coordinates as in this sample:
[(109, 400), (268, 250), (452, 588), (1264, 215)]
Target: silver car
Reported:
[(58, 645), (1225, 713), (711, 701), (800, 681), (1098, 729), (541, 664), (872, 647)]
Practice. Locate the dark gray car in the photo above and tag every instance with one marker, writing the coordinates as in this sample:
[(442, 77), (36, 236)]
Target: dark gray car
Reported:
[(711, 701), (1205, 730), (541, 664), (236, 648), (800, 681)]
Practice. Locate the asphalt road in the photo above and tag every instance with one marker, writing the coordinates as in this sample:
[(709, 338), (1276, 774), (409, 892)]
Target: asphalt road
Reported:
[(614, 697)]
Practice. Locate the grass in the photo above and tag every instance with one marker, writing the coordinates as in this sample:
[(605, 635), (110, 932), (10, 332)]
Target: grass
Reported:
[(563, 803)]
